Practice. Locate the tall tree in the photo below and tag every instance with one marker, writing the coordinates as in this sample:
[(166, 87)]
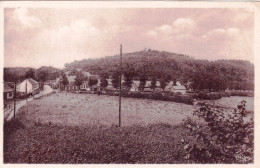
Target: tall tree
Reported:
[(42, 77), (129, 75), (143, 80), (153, 83), (104, 83), (30, 74), (92, 81), (79, 79), (116, 79), (64, 80)]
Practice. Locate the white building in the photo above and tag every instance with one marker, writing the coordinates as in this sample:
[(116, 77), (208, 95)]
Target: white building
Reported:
[(28, 86)]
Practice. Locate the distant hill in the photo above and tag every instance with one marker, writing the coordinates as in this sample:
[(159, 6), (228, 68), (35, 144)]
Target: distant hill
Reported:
[(18, 73), (158, 64), (109, 64)]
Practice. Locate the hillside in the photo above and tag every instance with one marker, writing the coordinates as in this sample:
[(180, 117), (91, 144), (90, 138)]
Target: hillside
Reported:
[(19, 73), (204, 74)]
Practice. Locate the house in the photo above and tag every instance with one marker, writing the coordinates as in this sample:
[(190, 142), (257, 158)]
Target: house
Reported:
[(86, 74), (28, 86), (84, 86), (175, 88), (52, 83), (148, 85), (8, 92), (135, 85), (96, 87), (71, 85)]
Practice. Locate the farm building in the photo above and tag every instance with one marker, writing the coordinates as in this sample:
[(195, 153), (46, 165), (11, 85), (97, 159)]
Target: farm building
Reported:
[(148, 88), (71, 86), (86, 74), (85, 86), (52, 83), (175, 88), (8, 92), (28, 86), (135, 85)]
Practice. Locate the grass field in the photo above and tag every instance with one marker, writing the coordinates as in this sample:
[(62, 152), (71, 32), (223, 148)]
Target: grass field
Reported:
[(81, 128), (236, 100), (79, 109)]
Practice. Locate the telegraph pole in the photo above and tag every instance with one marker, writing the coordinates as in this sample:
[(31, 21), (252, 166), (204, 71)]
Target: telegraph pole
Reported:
[(14, 98), (26, 93), (120, 78)]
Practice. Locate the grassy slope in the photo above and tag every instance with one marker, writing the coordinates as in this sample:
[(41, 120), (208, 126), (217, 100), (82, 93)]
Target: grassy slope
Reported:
[(30, 139), (26, 141)]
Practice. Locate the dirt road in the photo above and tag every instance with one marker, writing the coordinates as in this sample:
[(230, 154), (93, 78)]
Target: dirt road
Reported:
[(46, 90)]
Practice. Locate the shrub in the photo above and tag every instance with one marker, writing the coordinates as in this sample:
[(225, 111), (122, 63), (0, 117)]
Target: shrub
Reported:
[(239, 93), (223, 139), (211, 96)]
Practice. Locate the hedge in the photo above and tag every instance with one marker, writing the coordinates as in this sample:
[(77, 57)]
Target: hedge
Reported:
[(187, 99)]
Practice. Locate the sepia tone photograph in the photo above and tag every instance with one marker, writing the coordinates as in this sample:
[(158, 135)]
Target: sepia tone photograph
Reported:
[(128, 85)]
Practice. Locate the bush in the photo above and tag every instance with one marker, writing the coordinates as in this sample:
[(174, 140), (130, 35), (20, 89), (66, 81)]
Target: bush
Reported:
[(223, 139), (239, 93), (211, 96)]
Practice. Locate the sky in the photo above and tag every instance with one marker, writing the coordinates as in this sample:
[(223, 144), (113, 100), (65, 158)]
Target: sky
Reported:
[(35, 37)]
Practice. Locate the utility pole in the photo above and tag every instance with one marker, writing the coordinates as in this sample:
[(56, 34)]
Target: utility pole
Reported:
[(120, 78), (26, 93), (14, 98)]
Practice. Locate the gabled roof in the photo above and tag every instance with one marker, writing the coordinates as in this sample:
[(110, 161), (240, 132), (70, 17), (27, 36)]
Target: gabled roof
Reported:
[(7, 88), (149, 83), (179, 87), (71, 79), (32, 81), (95, 76), (86, 74)]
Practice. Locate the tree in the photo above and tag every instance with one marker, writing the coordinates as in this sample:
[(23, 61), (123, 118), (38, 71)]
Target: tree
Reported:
[(163, 84), (104, 83), (129, 74), (153, 83), (143, 80), (42, 77), (92, 81), (116, 79), (79, 79), (64, 80), (30, 74)]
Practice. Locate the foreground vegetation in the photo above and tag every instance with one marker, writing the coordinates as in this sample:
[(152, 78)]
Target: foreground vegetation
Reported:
[(216, 137)]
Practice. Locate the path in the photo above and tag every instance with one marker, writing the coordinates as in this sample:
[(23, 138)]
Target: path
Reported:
[(46, 90)]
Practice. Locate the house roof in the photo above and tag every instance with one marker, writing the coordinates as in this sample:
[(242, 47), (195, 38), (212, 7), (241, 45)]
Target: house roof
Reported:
[(32, 81), (71, 79), (86, 74), (149, 83), (179, 87), (7, 88), (95, 76)]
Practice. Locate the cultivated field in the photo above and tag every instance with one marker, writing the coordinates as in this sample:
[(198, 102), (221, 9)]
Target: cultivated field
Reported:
[(80, 109)]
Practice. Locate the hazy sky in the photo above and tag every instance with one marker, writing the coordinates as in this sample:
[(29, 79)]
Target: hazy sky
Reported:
[(54, 36)]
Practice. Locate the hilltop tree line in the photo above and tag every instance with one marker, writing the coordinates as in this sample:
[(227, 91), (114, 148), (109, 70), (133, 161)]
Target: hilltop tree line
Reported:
[(164, 67)]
